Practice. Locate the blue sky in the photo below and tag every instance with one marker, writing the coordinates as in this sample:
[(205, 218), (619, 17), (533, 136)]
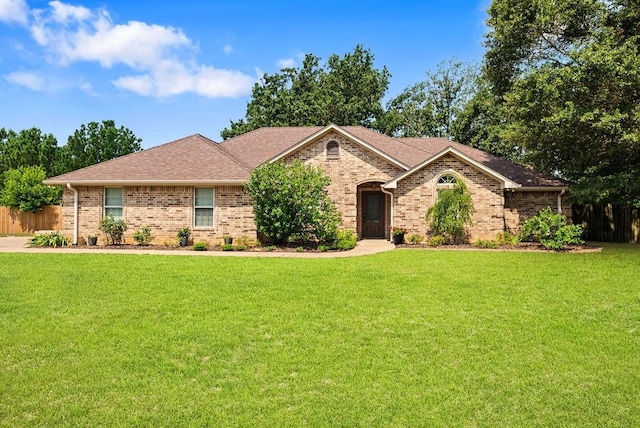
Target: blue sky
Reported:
[(167, 69)]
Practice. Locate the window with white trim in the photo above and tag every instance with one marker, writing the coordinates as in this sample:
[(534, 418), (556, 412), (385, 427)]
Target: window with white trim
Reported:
[(447, 181), (203, 207), (113, 202)]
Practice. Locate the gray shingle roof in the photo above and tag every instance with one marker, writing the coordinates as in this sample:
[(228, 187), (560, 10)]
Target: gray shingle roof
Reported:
[(196, 159)]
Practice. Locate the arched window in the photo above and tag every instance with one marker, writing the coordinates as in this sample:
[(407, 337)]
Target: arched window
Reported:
[(447, 181), (333, 150)]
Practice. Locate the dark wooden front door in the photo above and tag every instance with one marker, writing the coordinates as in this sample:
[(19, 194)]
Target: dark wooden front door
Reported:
[(373, 224)]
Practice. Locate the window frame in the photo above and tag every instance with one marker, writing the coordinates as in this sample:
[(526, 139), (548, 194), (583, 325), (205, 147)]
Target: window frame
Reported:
[(197, 207), (442, 185), (332, 152), (112, 207)]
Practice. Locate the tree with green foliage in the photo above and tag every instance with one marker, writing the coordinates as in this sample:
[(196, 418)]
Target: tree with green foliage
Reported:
[(24, 190), (431, 108), (347, 90), (29, 147), (95, 143), (567, 76), (451, 213), (291, 200)]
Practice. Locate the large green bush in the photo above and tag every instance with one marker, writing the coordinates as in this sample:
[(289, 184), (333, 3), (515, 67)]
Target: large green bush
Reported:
[(551, 230), (451, 213), (291, 200), (24, 190)]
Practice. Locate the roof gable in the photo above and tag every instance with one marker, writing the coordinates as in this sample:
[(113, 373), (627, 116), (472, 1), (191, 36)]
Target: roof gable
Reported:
[(342, 131), (505, 183), (191, 160)]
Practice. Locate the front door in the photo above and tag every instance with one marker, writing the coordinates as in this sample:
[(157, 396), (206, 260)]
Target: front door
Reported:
[(373, 224)]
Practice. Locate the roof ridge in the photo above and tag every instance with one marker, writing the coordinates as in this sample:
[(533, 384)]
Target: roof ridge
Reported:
[(218, 146)]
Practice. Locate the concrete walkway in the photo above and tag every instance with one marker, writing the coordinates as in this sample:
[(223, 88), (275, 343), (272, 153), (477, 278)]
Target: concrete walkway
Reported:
[(19, 244)]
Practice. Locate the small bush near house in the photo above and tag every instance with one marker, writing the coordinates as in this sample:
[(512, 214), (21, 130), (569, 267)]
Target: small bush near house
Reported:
[(239, 247), (143, 236), (436, 241), (486, 243), (53, 239), (345, 240), (415, 239), (227, 247), (451, 213), (200, 246), (507, 238), (113, 229), (246, 242), (551, 230), (271, 248), (323, 248)]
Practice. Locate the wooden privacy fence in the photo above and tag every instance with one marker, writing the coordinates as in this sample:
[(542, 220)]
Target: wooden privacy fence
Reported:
[(13, 221), (608, 223)]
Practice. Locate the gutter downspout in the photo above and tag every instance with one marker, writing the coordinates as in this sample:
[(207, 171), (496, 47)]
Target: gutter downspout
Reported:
[(391, 220), (75, 213), (560, 201)]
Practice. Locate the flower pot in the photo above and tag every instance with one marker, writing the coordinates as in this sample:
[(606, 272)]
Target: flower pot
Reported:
[(92, 240), (184, 241), (398, 239)]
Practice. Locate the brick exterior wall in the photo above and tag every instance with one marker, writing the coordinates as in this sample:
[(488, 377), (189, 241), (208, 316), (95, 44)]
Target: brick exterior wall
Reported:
[(165, 209), (521, 206), (416, 193), (354, 165)]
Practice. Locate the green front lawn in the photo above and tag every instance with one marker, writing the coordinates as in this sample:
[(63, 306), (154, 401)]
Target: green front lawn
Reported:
[(405, 338)]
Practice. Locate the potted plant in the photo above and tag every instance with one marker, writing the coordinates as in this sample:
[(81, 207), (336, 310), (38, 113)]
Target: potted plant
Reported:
[(397, 234), (92, 240), (228, 240), (183, 236)]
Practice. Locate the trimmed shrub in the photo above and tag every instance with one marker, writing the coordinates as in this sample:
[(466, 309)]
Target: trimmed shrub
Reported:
[(200, 246), (227, 247), (415, 239), (507, 238), (143, 236), (551, 230), (113, 229), (345, 240), (436, 241), (486, 243)]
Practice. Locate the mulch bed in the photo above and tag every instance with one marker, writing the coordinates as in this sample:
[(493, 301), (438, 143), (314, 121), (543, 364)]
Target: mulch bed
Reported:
[(522, 246), (290, 248)]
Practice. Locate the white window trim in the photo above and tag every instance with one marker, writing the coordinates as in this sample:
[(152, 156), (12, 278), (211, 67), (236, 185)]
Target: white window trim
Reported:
[(104, 202), (212, 207), (442, 186)]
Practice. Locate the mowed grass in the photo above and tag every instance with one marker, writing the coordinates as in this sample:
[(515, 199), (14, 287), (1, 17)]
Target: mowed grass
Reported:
[(405, 338)]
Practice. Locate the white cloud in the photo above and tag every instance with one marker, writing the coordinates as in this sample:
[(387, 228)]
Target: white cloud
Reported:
[(163, 57), (33, 81), (14, 11), (286, 63), (227, 49), (172, 78), (65, 12)]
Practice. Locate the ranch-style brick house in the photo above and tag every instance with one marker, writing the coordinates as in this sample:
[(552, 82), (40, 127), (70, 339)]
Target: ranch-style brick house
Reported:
[(377, 182)]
